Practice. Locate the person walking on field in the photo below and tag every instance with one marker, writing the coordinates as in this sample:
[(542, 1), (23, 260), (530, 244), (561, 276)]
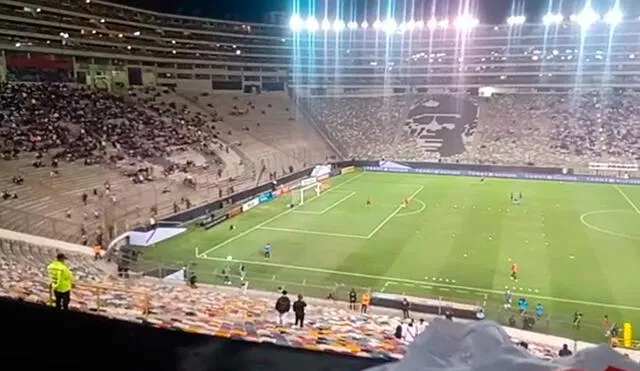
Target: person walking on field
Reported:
[(298, 308), (353, 298), (365, 301), (283, 306), (61, 281)]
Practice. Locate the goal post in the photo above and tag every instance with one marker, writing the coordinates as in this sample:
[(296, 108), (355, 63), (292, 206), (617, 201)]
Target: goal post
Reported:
[(303, 194)]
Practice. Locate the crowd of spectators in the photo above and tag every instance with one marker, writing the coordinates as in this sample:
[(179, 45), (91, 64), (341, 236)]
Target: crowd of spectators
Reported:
[(77, 123), (535, 129)]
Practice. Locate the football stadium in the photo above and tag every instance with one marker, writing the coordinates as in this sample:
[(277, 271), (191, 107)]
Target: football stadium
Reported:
[(353, 190)]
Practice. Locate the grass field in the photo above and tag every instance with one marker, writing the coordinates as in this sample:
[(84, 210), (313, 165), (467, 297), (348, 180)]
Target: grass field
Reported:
[(577, 245)]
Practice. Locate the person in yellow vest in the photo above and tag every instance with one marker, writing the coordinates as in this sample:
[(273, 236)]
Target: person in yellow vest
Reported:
[(61, 281), (365, 301)]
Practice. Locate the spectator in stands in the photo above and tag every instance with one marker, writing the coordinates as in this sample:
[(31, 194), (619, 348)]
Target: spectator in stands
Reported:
[(61, 281), (421, 326), (405, 308), (298, 308), (410, 332), (365, 301), (398, 333), (565, 352), (283, 306), (353, 298)]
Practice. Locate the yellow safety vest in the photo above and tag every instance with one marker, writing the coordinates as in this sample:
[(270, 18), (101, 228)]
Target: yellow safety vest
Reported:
[(60, 276)]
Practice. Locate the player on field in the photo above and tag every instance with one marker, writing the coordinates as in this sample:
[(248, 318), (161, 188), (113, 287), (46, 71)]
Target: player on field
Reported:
[(225, 275), (514, 271), (407, 200), (243, 273), (267, 250), (369, 202)]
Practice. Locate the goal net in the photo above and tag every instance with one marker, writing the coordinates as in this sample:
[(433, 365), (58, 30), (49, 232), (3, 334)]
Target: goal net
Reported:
[(303, 194)]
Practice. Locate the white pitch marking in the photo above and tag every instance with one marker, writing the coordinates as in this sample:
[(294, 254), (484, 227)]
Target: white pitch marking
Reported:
[(348, 196), (397, 210), (319, 233), (255, 227), (633, 205)]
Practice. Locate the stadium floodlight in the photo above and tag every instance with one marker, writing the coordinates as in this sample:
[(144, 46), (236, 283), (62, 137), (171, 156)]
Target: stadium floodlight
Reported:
[(296, 23), (432, 24), (613, 16), (326, 25), (551, 18), (465, 22), (516, 20), (352, 25), (586, 17), (364, 24), (411, 25), (338, 25), (419, 24), (377, 25), (444, 24), (311, 24), (390, 26)]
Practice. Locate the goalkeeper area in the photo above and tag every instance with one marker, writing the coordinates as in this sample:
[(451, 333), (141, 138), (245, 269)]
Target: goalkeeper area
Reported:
[(576, 245)]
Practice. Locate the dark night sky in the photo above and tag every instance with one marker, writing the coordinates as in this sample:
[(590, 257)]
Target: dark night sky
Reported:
[(489, 11)]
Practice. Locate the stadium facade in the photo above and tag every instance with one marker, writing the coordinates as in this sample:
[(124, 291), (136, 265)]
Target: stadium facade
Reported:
[(108, 45)]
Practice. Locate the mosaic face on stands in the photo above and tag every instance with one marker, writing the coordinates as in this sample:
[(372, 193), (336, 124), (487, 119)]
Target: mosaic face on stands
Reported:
[(443, 123)]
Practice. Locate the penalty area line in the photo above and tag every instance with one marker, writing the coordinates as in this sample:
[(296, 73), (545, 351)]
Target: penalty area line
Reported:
[(304, 231), (396, 280), (258, 226)]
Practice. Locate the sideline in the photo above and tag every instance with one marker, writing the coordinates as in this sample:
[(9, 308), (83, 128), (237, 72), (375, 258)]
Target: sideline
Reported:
[(406, 280)]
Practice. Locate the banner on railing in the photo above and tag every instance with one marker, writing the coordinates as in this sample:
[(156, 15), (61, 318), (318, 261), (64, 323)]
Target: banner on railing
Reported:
[(515, 175), (265, 197), (250, 205), (307, 181), (347, 170), (234, 211), (612, 166), (321, 170)]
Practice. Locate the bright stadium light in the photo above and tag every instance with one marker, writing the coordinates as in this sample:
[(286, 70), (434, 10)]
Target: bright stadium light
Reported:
[(516, 20), (311, 24), (419, 24), (364, 25), (444, 24), (390, 26), (411, 25), (465, 22), (352, 25), (377, 25), (586, 17), (432, 24), (326, 25), (338, 25), (613, 16), (551, 18), (296, 23)]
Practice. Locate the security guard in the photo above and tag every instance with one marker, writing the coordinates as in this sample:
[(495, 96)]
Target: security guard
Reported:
[(61, 281)]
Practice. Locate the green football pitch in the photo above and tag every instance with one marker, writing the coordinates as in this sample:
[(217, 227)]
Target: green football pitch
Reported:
[(576, 245)]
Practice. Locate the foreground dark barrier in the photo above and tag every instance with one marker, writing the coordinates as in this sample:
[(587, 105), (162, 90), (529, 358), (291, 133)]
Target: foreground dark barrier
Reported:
[(40, 337)]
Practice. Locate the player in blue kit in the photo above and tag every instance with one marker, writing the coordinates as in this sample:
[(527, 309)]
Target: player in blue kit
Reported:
[(267, 250)]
